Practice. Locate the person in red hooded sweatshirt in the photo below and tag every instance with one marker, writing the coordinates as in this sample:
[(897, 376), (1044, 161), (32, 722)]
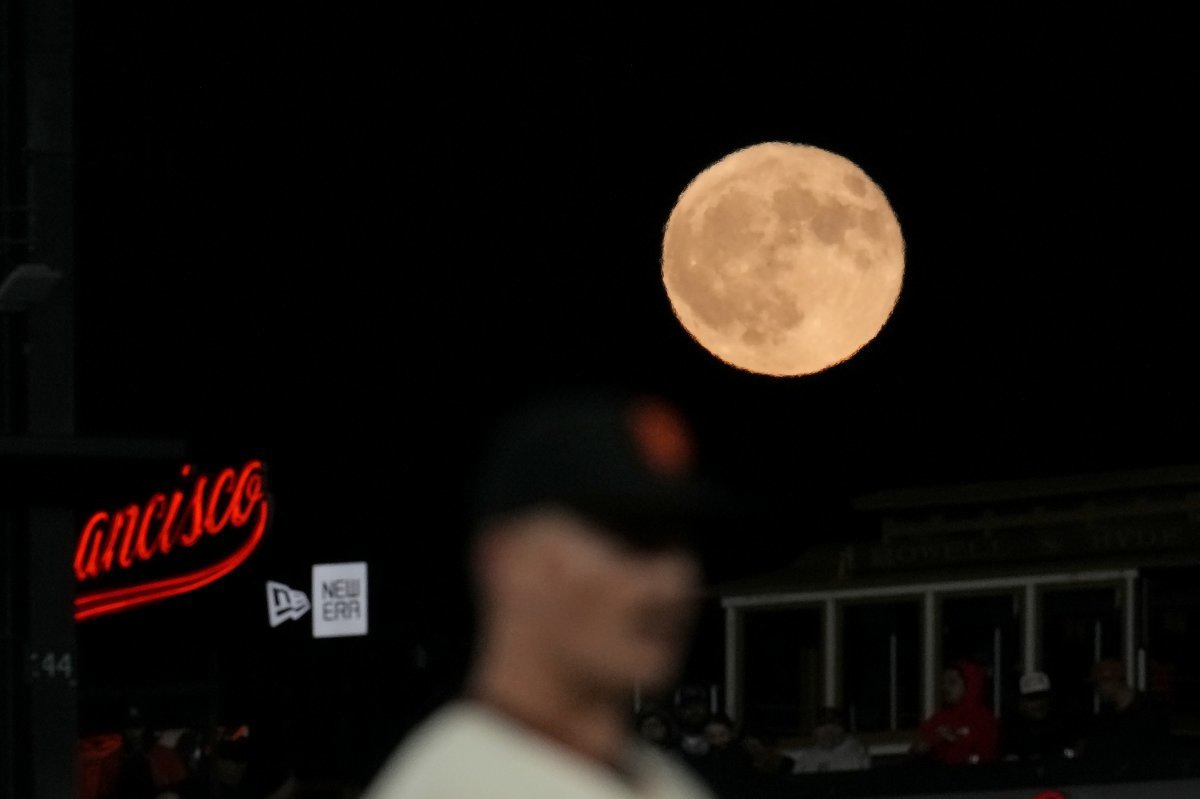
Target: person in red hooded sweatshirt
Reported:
[(964, 730)]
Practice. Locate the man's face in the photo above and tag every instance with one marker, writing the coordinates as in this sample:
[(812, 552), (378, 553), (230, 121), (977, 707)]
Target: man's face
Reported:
[(718, 734), (1109, 681), (1035, 707), (829, 735), (693, 713), (653, 729), (608, 614), (1108, 688), (953, 687)]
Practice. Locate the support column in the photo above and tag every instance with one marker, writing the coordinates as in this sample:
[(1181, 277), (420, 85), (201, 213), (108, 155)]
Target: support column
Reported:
[(733, 663), (1029, 626), (48, 655)]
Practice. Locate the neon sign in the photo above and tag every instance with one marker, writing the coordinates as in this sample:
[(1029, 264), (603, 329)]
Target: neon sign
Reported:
[(112, 542)]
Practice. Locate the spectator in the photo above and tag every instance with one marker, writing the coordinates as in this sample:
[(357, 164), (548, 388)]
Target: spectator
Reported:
[(719, 731), (656, 725), (147, 764), (135, 776), (230, 762), (189, 749), (692, 711), (766, 758), (1129, 727), (248, 766), (833, 748), (99, 759), (727, 763), (168, 769), (964, 730), (1037, 733)]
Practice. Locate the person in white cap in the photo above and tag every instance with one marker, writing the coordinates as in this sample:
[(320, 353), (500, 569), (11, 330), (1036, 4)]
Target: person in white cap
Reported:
[(586, 592), (1037, 732)]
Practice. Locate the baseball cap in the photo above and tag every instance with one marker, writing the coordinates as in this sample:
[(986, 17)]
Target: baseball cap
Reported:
[(624, 459), (1034, 682)]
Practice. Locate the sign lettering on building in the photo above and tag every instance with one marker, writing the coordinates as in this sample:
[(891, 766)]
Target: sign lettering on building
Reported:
[(218, 519), (339, 597)]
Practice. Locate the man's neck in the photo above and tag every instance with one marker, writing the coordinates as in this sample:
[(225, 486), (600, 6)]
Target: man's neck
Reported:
[(592, 723)]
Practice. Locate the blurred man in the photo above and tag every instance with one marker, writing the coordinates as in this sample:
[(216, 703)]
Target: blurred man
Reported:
[(585, 591)]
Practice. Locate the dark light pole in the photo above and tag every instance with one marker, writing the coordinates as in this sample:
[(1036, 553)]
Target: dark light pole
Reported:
[(41, 729)]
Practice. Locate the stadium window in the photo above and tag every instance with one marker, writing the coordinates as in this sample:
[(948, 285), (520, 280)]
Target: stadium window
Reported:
[(984, 628), (1171, 637), (880, 664), (1078, 627), (782, 683)]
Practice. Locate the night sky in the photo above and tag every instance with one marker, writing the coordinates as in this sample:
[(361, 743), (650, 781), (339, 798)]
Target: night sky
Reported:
[(345, 239)]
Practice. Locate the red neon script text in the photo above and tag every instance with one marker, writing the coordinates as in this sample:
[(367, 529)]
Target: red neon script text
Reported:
[(117, 540)]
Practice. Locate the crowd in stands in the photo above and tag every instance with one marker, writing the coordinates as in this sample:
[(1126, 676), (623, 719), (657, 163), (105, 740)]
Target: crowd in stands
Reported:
[(727, 755), (963, 731), (142, 762), (1129, 726)]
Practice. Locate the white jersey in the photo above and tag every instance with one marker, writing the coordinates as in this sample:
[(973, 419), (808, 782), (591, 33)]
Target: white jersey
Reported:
[(849, 755), (467, 751)]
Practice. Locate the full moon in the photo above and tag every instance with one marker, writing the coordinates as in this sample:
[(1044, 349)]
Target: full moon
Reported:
[(783, 259)]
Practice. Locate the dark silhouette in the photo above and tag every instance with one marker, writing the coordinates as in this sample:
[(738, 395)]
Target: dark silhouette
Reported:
[(691, 713), (135, 777), (1037, 733), (1130, 726), (655, 725), (727, 764)]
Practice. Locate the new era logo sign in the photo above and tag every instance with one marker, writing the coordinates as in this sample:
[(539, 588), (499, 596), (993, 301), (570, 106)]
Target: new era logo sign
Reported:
[(284, 604), (339, 591)]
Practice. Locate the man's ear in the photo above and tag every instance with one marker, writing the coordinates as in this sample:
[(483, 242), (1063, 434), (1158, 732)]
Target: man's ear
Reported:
[(500, 564), (485, 558)]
